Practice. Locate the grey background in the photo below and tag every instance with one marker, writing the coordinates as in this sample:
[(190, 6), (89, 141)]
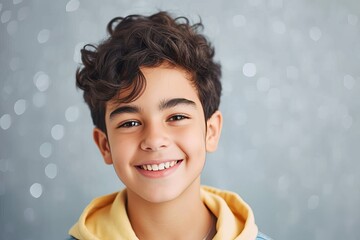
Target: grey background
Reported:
[(290, 143)]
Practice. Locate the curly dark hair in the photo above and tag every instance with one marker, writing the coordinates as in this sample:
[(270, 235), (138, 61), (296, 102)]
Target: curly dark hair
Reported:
[(146, 41)]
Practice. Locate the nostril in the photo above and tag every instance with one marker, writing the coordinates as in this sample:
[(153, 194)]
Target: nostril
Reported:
[(154, 146), (154, 138)]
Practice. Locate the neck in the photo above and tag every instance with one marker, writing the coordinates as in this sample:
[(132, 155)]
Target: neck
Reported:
[(185, 217)]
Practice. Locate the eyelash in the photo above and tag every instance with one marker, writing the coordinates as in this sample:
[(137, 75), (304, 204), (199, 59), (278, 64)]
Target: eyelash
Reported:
[(133, 123), (177, 117), (129, 124)]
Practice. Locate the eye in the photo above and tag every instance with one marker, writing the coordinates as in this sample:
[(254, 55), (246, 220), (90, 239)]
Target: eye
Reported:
[(129, 124), (177, 117)]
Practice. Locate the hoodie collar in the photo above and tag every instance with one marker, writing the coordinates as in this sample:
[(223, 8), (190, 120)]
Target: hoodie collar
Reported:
[(235, 219), (106, 218)]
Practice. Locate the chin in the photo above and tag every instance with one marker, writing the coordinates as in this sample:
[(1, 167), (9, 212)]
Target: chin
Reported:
[(161, 195)]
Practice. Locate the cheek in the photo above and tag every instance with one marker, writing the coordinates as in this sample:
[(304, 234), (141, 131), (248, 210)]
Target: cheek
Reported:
[(192, 141), (122, 148), (122, 153)]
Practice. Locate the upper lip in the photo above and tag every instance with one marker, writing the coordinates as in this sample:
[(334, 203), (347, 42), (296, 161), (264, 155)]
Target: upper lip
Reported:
[(150, 162)]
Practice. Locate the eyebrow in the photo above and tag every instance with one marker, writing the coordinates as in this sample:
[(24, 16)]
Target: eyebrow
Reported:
[(125, 109), (165, 104)]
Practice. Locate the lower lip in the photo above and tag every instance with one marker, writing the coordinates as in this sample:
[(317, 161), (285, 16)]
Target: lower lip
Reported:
[(159, 173)]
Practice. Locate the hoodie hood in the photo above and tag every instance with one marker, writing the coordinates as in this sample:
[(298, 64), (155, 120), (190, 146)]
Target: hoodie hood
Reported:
[(235, 219), (106, 218)]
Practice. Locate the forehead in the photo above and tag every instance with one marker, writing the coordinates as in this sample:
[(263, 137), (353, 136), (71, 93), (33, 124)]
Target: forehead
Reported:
[(163, 82)]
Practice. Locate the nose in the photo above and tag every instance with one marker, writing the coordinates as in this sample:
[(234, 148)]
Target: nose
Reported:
[(155, 138)]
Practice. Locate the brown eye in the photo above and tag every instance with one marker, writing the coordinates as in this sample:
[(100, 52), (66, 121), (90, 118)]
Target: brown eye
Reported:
[(130, 124), (177, 118)]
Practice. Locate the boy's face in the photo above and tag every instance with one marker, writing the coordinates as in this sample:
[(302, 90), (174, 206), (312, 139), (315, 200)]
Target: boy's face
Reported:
[(157, 143)]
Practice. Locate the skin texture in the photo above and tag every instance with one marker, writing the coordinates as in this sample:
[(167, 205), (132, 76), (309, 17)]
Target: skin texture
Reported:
[(166, 123)]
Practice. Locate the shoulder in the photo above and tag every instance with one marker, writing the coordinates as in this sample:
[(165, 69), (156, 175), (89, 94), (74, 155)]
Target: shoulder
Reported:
[(262, 236)]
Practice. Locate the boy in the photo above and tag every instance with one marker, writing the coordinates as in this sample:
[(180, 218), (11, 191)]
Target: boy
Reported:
[(154, 90)]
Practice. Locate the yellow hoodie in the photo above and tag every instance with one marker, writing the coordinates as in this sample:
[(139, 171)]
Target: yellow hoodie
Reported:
[(106, 218)]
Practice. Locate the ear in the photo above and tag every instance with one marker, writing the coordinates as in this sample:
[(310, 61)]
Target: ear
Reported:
[(214, 125), (101, 141)]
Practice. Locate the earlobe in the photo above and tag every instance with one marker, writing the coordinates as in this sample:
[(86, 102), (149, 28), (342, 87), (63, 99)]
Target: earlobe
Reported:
[(214, 125), (101, 141)]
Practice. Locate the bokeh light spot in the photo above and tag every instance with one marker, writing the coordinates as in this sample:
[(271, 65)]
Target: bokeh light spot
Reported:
[(46, 149), (57, 132), (20, 106), (29, 214), (36, 190), (14, 63), (51, 170), (239, 20), (5, 16), (5, 121), (72, 5), (43, 36), (72, 113), (315, 33), (23, 13), (283, 183), (12, 27), (17, 1), (352, 19), (41, 81), (249, 69), (39, 99)]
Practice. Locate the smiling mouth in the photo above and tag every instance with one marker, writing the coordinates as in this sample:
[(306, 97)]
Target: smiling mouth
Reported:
[(159, 167)]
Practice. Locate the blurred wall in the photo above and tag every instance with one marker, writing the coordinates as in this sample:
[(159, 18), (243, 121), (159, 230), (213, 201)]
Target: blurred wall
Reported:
[(290, 143)]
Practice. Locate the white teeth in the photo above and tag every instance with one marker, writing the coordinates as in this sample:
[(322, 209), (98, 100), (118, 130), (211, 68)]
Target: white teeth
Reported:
[(158, 167)]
